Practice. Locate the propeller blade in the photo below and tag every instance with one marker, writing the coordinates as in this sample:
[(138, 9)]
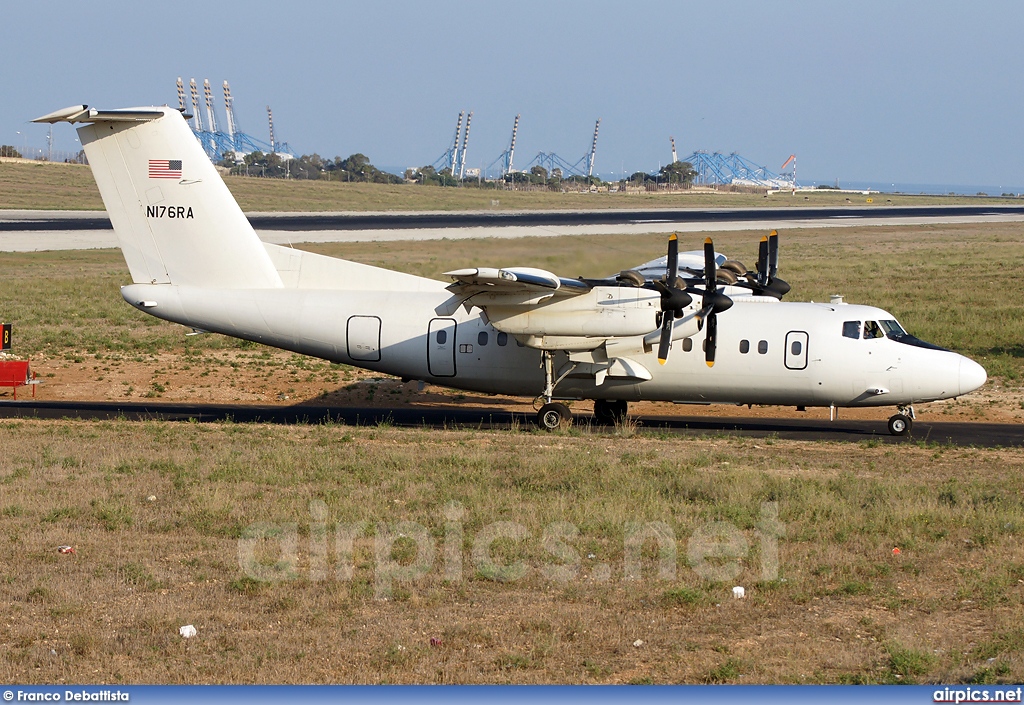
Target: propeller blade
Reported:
[(702, 316), (672, 261), (762, 261), (666, 336), (709, 266), (773, 254), (711, 340), (673, 297), (713, 302)]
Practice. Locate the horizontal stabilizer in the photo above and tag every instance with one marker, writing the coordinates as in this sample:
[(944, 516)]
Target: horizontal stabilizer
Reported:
[(83, 113)]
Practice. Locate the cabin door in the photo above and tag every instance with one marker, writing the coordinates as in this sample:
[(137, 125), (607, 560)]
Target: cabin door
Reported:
[(441, 347), (796, 350)]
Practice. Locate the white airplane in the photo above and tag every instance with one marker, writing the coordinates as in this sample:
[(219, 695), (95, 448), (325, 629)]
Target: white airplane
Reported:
[(195, 260)]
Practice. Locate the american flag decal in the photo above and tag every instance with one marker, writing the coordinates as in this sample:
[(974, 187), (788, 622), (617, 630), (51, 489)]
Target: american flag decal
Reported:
[(165, 168)]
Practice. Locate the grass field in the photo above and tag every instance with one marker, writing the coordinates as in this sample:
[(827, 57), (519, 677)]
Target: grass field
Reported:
[(163, 518), (244, 530), (48, 186)]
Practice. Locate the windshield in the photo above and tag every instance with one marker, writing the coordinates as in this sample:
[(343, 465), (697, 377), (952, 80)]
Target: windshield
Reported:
[(892, 329)]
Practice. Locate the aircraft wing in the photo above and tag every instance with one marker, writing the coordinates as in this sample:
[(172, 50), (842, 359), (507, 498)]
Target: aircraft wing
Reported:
[(510, 286), (515, 279)]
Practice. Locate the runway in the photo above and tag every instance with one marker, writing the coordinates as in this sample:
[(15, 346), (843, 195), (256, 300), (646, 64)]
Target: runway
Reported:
[(28, 231), (983, 435)]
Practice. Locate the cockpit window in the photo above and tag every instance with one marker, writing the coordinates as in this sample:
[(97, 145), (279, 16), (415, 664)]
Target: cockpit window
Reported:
[(851, 329), (872, 330), (892, 329)]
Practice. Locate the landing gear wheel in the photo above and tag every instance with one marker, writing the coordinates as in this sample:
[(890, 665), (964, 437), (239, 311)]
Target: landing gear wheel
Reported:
[(609, 413), (900, 425), (553, 416)]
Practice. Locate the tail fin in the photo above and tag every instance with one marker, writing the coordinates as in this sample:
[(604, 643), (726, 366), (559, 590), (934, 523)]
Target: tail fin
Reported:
[(175, 220)]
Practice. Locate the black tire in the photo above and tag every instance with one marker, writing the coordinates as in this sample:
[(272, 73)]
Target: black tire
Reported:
[(900, 425), (609, 413), (554, 416)]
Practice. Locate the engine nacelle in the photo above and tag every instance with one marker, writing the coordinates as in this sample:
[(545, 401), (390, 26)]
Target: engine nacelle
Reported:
[(603, 312)]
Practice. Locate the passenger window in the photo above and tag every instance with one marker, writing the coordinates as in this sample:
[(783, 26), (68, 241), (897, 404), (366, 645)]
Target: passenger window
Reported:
[(872, 330), (796, 347), (481, 339), (502, 339), (744, 346), (442, 337), (851, 329), (687, 344), (762, 347)]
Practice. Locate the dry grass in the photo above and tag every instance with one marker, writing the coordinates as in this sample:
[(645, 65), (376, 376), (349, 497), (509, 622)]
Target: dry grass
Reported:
[(842, 607), (45, 186)]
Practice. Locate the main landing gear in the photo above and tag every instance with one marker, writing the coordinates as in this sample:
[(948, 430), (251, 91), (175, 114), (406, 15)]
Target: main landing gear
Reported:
[(552, 415), (903, 421), (609, 413)]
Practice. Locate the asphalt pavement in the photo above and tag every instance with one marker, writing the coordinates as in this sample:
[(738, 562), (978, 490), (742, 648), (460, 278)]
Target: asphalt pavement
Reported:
[(983, 435)]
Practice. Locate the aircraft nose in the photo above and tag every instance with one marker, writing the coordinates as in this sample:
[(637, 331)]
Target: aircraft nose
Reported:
[(972, 375)]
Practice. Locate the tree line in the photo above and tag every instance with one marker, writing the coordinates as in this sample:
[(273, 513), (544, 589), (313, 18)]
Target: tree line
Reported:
[(358, 168)]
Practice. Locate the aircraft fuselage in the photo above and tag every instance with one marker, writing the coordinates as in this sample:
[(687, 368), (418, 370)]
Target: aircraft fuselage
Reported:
[(769, 352)]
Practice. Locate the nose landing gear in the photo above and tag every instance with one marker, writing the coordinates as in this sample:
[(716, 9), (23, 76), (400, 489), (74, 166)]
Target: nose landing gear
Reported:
[(901, 423)]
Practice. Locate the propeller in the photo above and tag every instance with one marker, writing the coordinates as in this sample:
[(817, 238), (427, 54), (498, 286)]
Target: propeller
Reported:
[(713, 302), (673, 298), (764, 281)]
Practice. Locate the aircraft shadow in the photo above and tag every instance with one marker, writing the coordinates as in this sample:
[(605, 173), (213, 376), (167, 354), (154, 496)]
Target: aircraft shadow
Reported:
[(450, 417)]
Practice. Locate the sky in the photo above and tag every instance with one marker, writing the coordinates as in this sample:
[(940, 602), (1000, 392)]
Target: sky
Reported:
[(911, 91)]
